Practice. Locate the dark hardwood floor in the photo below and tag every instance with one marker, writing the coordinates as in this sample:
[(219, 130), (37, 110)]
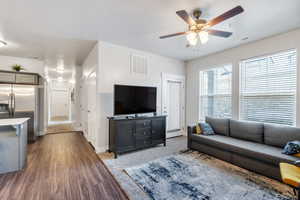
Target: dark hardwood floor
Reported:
[(61, 166)]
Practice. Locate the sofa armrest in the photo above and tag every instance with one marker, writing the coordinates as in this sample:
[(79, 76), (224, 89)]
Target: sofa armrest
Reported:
[(190, 130)]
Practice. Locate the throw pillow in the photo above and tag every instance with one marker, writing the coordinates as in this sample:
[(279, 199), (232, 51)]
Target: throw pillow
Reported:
[(206, 129), (198, 129), (292, 148)]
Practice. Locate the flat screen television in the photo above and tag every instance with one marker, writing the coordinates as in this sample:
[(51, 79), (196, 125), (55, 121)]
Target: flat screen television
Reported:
[(134, 99)]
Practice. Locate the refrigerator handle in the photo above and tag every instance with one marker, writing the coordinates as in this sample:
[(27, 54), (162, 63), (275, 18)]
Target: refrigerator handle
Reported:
[(10, 104), (14, 104)]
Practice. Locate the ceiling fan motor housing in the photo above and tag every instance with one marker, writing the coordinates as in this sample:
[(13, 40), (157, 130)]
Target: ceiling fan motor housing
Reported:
[(197, 13)]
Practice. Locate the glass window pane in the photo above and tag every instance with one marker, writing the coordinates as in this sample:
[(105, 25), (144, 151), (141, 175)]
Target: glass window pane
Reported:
[(215, 92)]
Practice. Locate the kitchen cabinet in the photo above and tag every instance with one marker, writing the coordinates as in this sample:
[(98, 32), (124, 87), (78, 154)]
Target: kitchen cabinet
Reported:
[(7, 77), (27, 79), (10, 77)]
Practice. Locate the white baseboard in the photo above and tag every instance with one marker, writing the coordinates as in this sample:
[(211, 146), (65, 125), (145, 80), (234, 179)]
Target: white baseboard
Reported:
[(174, 134), (101, 149), (42, 132)]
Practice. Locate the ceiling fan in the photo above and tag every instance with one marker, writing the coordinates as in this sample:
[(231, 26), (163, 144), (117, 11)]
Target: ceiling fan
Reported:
[(200, 28)]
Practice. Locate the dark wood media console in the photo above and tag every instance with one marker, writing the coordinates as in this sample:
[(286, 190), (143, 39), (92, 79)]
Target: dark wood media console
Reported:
[(129, 134)]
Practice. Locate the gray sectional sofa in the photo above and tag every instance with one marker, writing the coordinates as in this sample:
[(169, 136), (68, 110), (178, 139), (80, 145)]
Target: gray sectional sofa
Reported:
[(250, 145)]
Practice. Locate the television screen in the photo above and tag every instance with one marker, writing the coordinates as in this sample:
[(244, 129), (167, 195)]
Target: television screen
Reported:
[(134, 99)]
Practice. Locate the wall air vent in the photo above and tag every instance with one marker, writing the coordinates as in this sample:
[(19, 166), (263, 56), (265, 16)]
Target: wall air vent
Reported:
[(139, 65)]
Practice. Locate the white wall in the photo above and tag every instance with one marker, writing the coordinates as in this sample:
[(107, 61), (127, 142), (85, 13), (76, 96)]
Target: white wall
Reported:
[(31, 65), (90, 65), (114, 68), (76, 115), (269, 45)]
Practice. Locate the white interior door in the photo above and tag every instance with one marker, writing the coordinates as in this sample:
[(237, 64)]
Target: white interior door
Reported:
[(173, 104), (92, 108), (84, 107), (59, 103)]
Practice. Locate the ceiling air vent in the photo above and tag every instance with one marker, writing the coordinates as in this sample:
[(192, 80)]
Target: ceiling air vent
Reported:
[(138, 65)]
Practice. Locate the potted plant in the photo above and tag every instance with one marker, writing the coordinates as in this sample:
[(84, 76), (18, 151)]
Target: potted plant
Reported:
[(17, 68)]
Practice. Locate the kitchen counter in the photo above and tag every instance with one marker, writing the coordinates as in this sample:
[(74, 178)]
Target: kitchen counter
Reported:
[(13, 121), (13, 144)]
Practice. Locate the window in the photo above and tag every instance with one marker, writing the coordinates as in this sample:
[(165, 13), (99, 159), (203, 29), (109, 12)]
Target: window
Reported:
[(268, 88), (215, 92)]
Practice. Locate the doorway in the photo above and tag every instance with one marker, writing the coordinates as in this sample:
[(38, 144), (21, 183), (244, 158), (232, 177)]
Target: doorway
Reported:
[(59, 105), (173, 103)]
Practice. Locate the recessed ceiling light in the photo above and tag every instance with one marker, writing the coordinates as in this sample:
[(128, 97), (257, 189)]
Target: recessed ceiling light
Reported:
[(72, 81), (2, 43)]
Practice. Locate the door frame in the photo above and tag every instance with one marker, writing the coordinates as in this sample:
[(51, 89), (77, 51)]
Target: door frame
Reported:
[(179, 79)]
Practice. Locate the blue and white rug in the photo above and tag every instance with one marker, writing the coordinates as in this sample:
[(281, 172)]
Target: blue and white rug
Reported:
[(182, 177)]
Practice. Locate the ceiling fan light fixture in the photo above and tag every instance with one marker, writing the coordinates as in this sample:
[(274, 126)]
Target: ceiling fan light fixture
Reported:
[(192, 38), (203, 35)]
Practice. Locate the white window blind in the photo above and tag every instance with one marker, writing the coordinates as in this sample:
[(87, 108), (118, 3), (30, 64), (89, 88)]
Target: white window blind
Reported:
[(215, 92), (268, 88)]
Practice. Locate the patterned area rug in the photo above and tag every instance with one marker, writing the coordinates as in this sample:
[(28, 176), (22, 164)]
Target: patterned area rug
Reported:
[(183, 177)]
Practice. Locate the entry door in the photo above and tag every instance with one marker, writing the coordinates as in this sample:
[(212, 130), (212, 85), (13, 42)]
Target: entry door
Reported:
[(60, 103), (173, 104)]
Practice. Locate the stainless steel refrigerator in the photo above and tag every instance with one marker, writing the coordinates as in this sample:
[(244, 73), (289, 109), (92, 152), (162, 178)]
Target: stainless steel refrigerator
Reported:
[(18, 101)]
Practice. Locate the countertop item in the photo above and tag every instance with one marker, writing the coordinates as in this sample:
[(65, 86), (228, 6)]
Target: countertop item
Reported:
[(13, 121)]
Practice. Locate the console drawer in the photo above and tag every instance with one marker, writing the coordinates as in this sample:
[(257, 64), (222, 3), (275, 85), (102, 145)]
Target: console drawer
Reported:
[(143, 133), (143, 143), (140, 124)]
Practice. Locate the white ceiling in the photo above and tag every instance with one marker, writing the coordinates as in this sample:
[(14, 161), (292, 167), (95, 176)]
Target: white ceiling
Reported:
[(134, 23)]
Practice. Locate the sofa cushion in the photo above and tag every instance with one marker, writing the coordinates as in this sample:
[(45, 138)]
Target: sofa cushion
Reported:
[(206, 129), (280, 135), (219, 125), (251, 131), (291, 148), (268, 154)]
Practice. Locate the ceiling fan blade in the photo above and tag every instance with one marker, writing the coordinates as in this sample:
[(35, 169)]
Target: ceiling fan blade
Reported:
[(224, 34), (186, 17), (172, 35), (231, 13)]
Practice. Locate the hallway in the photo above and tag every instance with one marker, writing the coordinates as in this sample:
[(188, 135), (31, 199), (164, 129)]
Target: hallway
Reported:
[(61, 166)]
